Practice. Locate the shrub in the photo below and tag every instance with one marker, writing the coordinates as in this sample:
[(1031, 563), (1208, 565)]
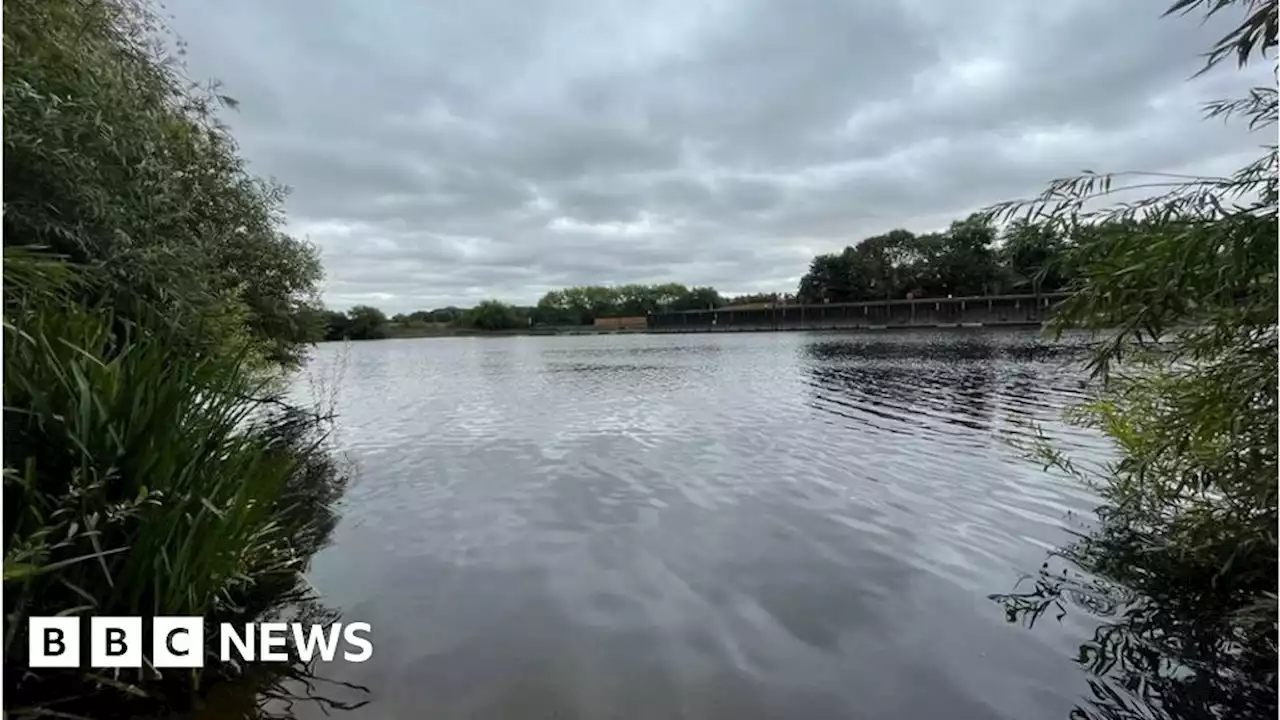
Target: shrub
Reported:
[(112, 157), (1182, 563), (142, 482)]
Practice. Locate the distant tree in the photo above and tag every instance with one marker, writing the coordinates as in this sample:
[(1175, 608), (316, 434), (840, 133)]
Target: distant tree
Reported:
[(669, 294), (366, 323), (886, 266), (898, 264), (554, 309), (752, 299), (581, 305), (337, 326), (362, 322), (826, 279), (698, 298), (447, 315), (1034, 257), (635, 300), (877, 268), (967, 264), (494, 315)]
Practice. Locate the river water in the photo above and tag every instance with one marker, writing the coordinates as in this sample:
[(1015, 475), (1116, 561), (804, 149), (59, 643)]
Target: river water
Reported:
[(773, 525)]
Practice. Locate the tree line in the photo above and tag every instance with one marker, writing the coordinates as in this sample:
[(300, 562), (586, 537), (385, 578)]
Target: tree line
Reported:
[(570, 307), (970, 258)]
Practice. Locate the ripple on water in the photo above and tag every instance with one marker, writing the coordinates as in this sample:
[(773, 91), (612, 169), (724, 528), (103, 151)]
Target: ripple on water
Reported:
[(772, 525)]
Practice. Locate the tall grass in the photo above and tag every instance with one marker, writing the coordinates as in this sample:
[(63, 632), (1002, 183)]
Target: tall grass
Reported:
[(140, 481), (151, 465)]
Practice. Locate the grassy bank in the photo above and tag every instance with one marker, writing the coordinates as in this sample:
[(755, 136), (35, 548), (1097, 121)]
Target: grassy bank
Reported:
[(153, 309)]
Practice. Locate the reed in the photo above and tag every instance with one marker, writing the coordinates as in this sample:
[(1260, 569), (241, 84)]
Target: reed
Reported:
[(140, 481)]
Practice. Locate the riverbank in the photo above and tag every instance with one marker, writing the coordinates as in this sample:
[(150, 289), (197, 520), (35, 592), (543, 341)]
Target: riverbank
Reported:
[(413, 333), (394, 332), (1013, 311), (153, 466)]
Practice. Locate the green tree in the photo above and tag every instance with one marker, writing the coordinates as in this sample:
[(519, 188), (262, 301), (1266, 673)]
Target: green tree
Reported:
[(1184, 553), (1034, 257), (362, 322), (698, 298), (636, 300), (752, 299), (448, 315), (114, 160), (878, 268), (365, 322), (965, 264), (494, 315), (554, 309), (581, 305), (668, 295), (337, 325), (828, 279), (885, 265), (592, 301)]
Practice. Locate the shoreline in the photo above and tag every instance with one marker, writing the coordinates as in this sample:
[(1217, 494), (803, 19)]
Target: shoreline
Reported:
[(701, 330)]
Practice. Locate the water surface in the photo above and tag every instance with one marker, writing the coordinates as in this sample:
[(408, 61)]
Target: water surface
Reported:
[(777, 525)]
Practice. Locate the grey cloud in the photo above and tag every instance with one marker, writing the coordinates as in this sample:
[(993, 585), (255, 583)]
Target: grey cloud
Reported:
[(448, 151)]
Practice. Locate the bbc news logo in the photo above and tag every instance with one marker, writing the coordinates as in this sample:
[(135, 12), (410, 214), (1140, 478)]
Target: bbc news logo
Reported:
[(178, 642)]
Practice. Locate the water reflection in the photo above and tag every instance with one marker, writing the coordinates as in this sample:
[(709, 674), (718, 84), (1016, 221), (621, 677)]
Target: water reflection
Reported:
[(287, 690), (715, 526), (950, 382), (982, 382), (1162, 648), (1167, 633)]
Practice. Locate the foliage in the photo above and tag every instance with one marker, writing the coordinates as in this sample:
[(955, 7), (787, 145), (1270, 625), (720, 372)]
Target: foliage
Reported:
[(439, 315), (963, 261), (141, 481), (1182, 563), (362, 322), (115, 160), (831, 278), (494, 315), (581, 305), (150, 466), (1035, 257), (758, 299)]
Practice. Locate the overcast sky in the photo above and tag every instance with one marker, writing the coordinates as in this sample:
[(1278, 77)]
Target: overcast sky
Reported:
[(445, 151)]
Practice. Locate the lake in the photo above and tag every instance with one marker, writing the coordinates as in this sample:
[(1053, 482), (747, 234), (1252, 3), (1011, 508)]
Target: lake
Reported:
[(771, 525)]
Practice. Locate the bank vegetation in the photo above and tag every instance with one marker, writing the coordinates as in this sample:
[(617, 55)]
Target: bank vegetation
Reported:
[(1180, 569), (152, 307)]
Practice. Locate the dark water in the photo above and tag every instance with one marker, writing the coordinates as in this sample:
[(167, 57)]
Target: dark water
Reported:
[(728, 526)]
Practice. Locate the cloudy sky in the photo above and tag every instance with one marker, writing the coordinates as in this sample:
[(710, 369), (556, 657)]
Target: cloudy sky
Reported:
[(444, 151)]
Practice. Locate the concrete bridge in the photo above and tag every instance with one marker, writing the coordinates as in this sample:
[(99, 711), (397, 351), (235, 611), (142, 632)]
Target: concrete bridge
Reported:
[(982, 311)]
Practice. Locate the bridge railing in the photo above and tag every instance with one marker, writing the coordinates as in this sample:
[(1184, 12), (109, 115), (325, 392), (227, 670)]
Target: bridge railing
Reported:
[(985, 310)]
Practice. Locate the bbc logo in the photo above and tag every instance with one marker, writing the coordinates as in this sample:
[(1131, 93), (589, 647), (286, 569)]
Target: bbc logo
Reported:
[(116, 642), (178, 642)]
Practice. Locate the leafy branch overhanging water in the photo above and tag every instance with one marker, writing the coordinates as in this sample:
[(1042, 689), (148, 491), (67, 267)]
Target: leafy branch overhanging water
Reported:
[(1181, 566)]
